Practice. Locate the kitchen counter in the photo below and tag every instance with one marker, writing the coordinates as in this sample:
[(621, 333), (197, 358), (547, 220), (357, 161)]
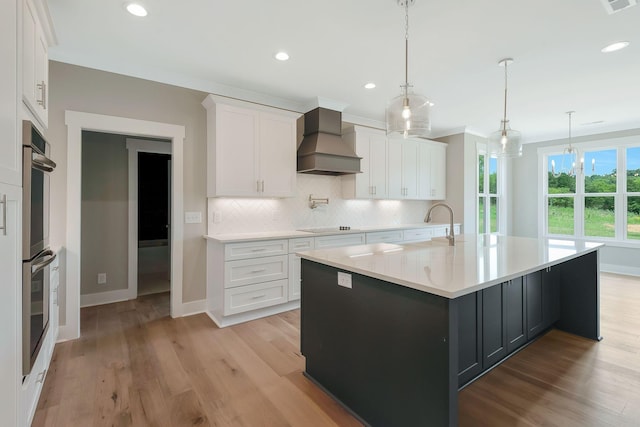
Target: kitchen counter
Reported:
[(291, 234), (394, 331), (474, 263)]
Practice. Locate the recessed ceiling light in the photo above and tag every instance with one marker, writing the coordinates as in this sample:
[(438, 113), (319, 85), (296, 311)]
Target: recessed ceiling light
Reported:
[(282, 56), (614, 46), (370, 86), (136, 9)]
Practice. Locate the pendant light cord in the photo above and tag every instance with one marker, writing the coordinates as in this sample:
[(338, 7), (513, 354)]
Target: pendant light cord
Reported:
[(406, 48), (504, 120)]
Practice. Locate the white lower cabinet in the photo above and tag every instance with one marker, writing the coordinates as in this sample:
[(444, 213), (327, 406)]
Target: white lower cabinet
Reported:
[(391, 236), (295, 245), (257, 278), (417, 234), (253, 297)]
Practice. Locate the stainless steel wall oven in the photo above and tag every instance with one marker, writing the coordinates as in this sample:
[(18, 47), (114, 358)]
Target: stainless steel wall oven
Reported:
[(36, 255)]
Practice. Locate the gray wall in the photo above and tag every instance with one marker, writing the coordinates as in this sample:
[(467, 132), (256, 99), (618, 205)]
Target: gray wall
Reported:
[(105, 212), (86, 90)]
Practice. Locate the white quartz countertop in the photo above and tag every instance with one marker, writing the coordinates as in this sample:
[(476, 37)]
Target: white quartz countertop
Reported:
[(474, 263), (292, 234)]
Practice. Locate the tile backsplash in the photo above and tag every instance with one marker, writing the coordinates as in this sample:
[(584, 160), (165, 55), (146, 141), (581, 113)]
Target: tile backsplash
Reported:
[(255, 215)]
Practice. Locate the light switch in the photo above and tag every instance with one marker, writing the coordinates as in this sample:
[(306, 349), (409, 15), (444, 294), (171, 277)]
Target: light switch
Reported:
[(193, 217)]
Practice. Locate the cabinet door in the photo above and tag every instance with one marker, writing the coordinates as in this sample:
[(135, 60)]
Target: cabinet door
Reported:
[(410, 169), (294, 277), (35, 64), (394, 165), (277, 136), (535, 310), (235, 146), (42, 77), (515, 308), (469, 337), (494, 330), (29, 24), (424, 172), (438, 162), (378, 166), (10, 144), (550, 295), (363, 189), (11, 279)]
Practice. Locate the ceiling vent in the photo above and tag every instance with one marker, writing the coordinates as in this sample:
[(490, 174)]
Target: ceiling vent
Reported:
[(613, 6)]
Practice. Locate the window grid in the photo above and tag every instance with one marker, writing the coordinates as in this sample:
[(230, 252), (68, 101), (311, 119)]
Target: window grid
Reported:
[(621, 197)]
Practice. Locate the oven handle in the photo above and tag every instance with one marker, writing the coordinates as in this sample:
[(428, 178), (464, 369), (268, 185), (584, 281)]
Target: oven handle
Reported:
[(40, 162), (49, 257)]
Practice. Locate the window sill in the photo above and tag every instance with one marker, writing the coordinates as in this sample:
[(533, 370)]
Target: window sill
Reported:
[(631, 244)]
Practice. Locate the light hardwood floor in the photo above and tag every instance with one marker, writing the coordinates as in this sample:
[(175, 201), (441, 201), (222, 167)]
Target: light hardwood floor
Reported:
[(133, 366)]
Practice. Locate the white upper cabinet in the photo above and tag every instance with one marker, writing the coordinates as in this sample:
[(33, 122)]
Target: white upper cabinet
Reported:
[(432, 159), (371, 145), (251, 149), (10, 143), (403, 168), (35, 63)]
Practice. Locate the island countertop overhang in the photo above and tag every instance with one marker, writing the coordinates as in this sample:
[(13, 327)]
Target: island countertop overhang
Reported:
[(476, 261)]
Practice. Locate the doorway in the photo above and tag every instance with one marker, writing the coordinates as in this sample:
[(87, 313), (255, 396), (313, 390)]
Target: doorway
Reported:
[(77, 122), (154, 175)]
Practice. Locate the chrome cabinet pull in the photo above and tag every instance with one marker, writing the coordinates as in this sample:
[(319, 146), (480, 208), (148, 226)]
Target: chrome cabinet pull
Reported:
[(42, 87), (48, 256), (259, 296), (257, 186), (3, 201), (258, 271), (263, 185)]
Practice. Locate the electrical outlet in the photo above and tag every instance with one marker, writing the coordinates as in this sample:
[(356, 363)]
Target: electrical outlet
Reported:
[(102, 278), (344, 280), (217, 217)]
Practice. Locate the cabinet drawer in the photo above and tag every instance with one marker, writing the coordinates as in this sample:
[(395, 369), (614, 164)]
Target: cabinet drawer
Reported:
[(246, 250), (384, 236), (301, 244), (339, 240), (252, 297), (256, 270), (417, 234)]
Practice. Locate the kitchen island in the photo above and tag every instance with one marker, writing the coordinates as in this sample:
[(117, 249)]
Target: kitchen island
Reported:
[(394, 331)]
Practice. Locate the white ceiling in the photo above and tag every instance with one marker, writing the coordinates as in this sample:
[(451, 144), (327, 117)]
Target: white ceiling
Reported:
[(336, 46)]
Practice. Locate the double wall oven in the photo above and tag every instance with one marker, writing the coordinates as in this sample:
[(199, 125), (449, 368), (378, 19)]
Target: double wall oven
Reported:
[(36, 254)]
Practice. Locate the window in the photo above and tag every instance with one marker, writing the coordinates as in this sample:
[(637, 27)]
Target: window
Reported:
[(633, 193), (591, 199), (489, 197)]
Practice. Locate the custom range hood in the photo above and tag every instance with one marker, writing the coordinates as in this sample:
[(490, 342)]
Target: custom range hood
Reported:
[(322, 150)]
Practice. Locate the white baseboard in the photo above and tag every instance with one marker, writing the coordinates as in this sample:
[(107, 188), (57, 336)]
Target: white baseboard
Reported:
[(194, 307), (108, 297), (65, 333), (253, 315), (620, 269)]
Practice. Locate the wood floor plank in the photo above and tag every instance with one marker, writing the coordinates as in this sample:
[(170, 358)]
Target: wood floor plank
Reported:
[(134, 367)]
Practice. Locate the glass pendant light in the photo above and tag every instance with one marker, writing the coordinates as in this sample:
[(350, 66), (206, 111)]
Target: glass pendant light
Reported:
[(570, 156), (408, 113), (506, 142)]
